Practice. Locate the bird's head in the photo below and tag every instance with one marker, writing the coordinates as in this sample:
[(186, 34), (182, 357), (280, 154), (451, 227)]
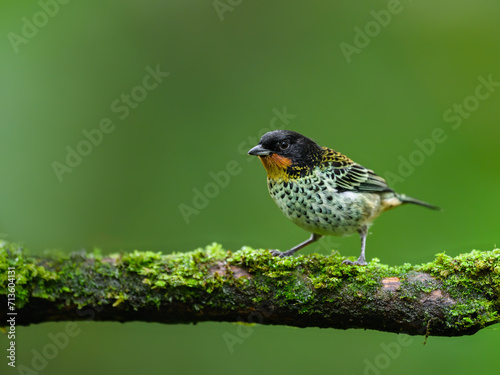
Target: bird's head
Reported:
[(280, 149)]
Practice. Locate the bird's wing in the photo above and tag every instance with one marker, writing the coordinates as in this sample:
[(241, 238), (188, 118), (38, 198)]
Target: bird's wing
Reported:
[(347, 175)]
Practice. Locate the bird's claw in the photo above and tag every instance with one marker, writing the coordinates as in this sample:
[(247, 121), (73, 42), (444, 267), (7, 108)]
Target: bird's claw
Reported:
[(359, 262), (280, 254)]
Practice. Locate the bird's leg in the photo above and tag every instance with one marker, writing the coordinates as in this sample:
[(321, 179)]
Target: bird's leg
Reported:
[(314, 237), (361, 260)]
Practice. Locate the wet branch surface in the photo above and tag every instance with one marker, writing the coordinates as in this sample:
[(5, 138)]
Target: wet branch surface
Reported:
[(446, 297)]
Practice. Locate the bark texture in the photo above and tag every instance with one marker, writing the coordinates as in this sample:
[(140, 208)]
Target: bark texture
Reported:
[(447, 297)]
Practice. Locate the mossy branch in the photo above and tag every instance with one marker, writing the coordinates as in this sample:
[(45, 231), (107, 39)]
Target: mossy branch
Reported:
[(447, 297)]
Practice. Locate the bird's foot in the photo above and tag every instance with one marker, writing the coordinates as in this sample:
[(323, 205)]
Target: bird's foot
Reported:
[(359, 262), (281, 254)]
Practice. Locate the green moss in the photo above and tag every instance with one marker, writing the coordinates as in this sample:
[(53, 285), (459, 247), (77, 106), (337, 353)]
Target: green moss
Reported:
[(208, 276), (31, 278), (175, 270), (473, 277)]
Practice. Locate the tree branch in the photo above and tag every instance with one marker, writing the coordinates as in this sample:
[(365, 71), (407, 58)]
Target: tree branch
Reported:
[(447, 297)]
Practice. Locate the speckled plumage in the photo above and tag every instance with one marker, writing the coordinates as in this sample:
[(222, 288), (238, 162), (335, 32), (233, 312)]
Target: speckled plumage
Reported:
[(321, 210), (321, 190)]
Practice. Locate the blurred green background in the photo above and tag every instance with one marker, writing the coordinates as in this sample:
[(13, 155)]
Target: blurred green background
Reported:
[(232, 67)]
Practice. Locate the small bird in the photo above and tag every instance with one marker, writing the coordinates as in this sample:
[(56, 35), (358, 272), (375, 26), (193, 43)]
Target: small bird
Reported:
[(322, 190)]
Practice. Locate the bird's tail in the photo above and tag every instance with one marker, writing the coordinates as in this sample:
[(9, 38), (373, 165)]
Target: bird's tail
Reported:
[(406, 199)]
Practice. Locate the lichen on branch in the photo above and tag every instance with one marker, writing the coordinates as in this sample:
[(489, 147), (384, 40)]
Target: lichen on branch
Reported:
[(446, 297)]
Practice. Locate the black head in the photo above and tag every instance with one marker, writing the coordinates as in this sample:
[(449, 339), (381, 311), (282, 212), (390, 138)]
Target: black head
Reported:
[(289, 144)]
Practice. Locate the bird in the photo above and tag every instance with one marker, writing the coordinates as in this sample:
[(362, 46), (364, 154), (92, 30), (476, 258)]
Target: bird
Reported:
[(322, 190)]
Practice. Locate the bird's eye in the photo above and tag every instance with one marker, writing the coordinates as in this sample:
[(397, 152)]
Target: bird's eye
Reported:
[(284, 145)]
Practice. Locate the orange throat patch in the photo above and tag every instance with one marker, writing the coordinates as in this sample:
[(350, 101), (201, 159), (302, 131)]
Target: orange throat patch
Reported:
[(276, 166)]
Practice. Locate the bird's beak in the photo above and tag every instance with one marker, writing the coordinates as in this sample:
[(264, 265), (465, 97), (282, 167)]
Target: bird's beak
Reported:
[(259, 151)]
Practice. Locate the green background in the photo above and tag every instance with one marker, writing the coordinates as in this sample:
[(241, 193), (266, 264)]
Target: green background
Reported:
[(226, 78)]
